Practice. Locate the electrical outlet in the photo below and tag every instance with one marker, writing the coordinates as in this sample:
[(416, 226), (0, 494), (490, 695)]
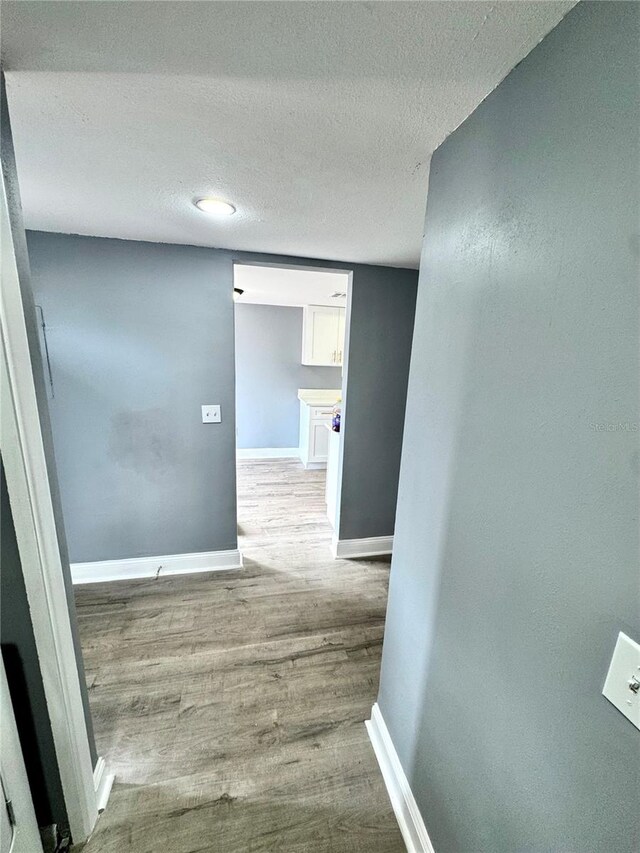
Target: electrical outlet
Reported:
[(211, 414), (622, 686)]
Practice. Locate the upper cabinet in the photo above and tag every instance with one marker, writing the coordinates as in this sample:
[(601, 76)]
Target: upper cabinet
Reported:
[(323, 335)]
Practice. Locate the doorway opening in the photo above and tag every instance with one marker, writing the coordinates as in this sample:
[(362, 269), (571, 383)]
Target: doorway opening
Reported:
[(291, 332)]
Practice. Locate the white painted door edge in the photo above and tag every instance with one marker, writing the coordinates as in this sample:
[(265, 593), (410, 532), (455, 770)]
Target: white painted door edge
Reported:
[(30, 496), (268, 453), (102, 784), (14, 784), (102, 571), (414, 832), (375, 546)]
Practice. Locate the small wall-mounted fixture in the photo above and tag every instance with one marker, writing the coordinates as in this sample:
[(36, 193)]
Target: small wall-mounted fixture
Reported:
[(215, 206), (622, 685), (237, 293)]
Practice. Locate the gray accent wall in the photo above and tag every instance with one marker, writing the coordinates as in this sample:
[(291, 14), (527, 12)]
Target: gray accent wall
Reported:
[(269, 374), (140, 336), (516, 550), (378, 348)]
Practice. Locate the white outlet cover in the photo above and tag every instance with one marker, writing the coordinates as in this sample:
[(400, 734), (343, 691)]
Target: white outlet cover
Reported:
[(623, 672), (211, 414)]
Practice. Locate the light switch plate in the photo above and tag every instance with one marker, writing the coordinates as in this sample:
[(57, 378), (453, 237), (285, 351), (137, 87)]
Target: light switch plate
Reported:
[(211, 414), (622, 685)]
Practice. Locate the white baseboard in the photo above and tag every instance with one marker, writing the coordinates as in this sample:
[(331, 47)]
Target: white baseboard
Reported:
[(152, 567), (375, 546), (268, 453), (102, 782), (404, 805)]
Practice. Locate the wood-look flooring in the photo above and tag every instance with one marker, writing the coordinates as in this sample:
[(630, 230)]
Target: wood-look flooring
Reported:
[(231, 705)]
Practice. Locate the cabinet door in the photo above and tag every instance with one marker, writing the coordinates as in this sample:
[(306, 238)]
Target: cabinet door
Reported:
[(341, 328), (320, 335), (319, 441)]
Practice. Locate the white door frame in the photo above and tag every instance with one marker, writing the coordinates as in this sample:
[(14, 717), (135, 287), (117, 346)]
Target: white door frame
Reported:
[(32, 508)]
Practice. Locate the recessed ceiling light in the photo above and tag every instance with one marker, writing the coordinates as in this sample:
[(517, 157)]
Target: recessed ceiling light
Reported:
[(215, 206)]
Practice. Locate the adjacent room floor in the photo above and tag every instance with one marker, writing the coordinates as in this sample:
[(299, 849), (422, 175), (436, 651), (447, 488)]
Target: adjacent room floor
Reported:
[(231, 705)]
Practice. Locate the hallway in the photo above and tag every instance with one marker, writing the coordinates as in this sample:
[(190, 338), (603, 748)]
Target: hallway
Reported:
[(231, 705)]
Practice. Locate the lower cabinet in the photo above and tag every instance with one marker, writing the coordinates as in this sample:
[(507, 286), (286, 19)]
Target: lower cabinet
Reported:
[(314, 435)]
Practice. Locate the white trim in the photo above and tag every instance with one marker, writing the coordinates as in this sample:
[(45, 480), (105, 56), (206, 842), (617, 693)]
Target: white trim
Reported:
[(33, 516), (414, 832), (102, 784), (374, 546), (268, 453), (153, 567)]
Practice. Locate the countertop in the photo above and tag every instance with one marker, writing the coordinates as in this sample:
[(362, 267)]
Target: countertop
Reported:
[(319, 396)]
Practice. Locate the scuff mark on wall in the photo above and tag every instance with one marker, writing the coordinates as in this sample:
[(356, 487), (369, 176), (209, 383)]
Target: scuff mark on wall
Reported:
[(140, 441)]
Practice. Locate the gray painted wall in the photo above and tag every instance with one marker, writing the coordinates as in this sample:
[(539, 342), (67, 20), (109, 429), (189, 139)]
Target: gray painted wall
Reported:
[(516, 552), (269, 373), (378, 349), (140, 336)]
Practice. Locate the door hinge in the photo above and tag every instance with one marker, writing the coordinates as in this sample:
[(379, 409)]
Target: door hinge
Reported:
[(7, 803), (10, 811), (64, 844)]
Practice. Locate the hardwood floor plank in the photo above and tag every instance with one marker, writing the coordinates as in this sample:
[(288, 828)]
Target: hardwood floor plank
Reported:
[(231, 705)]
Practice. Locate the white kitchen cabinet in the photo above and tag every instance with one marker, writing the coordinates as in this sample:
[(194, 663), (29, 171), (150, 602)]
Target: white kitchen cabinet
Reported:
[(319, 439), (341, 330), (316, 411), (323, 335)]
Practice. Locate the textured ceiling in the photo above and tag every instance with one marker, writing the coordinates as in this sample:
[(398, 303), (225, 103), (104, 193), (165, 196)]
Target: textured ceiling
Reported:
[(317, 119), (267, 285)]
